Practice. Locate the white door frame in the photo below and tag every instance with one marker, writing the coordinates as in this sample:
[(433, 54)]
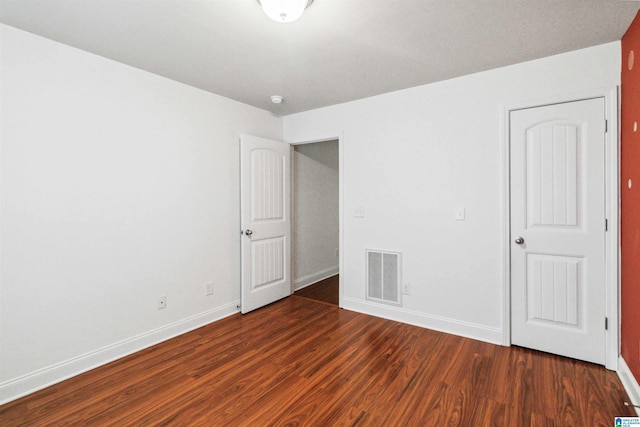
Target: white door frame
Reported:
[(340, 139), (612, 202)]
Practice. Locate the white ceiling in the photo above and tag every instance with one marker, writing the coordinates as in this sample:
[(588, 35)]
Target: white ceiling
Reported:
[(340, 50)]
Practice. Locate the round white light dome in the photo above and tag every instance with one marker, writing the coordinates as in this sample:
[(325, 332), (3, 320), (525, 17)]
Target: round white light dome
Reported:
[(284, 10)]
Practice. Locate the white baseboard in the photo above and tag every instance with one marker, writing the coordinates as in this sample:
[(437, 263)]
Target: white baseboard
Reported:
[(310, 279), (437, 323), (26, 384), (629, 382)]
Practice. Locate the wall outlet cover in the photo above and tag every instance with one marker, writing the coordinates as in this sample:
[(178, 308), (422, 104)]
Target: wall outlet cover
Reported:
[(406, 289)]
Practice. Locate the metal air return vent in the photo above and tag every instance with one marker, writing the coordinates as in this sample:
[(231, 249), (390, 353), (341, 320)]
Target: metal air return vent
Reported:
[(383, 277)]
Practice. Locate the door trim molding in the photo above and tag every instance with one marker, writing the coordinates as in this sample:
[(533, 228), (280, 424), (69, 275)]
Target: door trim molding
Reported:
[(340, 139), (612, 203)]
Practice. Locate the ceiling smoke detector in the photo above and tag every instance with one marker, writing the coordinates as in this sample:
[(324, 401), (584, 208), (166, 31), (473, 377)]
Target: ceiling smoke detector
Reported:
[(277, 99)]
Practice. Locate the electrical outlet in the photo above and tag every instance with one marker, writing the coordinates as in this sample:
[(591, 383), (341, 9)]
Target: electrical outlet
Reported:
[(406, 289), (208, 288), (359, 212), (162, 302)]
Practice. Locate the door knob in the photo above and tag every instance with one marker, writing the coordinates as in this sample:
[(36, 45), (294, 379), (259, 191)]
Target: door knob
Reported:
[(519, 240), (248, 233)]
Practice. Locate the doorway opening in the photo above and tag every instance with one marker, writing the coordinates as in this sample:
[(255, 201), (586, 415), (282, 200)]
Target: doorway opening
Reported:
[(315, 209)]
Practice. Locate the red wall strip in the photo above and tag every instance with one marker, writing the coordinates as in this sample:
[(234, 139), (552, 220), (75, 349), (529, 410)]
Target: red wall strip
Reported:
[(630, 197)]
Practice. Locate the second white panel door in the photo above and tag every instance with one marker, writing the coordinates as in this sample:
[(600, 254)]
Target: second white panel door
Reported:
[(558, 229), (265, 220)]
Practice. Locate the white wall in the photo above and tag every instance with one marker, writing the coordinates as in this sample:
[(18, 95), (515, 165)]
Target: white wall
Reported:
[(117, 186), (315, 212), (411, 157)]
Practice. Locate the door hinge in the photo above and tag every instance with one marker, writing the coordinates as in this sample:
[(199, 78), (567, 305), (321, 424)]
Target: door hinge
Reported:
[(606, 225), (606, 323), (606, 125)]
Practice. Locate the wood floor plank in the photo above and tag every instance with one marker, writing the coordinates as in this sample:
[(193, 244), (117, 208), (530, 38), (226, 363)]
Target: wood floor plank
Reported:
[(326, 290), (298, 362)]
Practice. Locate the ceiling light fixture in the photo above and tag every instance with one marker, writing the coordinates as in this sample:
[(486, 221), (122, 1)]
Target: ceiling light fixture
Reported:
[(284, 10)]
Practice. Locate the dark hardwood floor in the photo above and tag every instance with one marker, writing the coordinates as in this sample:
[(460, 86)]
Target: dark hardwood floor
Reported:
[(300, 362), (326, 290)]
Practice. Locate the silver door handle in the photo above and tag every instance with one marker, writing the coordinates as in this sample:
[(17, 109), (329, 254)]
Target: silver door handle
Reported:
[(248, 233), (519, 240)]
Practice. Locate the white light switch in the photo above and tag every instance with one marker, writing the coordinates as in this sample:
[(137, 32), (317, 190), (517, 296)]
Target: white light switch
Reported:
[(459, 214), (359, 212)]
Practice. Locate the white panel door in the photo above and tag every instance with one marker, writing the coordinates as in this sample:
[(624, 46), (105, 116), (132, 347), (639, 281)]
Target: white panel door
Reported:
[(265, 221), (558, 229)]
